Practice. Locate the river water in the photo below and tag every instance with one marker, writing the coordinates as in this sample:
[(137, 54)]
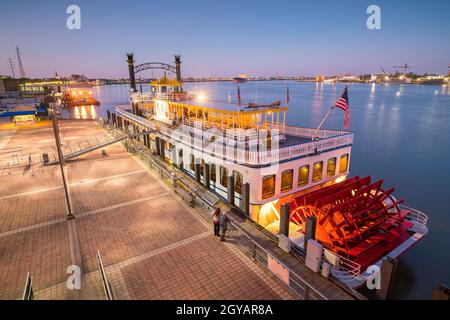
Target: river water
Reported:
[(402, 135)]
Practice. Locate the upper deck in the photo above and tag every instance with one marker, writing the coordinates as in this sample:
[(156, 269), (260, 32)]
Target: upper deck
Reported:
[(239, 145)]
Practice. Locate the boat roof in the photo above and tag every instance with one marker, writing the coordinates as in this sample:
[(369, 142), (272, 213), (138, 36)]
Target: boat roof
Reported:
[(227, 107), (165, 81)]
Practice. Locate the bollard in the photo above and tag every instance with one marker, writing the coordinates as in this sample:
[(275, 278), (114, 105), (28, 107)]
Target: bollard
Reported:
[(310, 230), (284, 219), (387, 277)]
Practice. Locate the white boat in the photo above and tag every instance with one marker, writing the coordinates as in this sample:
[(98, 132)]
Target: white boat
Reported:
[(252, 159)]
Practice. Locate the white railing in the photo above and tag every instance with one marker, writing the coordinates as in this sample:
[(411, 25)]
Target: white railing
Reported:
[(418, 218), (233, 153), (343, 269), (86, 144), (309, 132)]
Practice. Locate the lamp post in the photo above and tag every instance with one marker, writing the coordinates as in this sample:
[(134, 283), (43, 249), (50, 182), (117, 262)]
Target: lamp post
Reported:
[(53, 107)]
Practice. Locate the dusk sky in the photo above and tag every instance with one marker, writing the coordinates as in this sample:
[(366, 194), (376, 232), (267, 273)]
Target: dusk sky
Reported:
[(225, 38)]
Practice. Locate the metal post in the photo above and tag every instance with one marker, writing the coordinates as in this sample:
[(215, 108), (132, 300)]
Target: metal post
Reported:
[(28, 291), (284, 219), (62, 163)]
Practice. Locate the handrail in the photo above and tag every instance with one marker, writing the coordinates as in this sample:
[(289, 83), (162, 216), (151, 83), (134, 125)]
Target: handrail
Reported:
[(28, 290), (419, 218), (234, 153), (308, 290), (106, 285)]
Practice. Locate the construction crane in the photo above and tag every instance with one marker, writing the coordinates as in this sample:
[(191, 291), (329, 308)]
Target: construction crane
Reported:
[(21, 69), (405, 68), (10, 63), (383, 71)]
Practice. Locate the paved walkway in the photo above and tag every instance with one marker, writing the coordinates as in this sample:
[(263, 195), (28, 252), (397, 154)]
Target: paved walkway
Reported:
[(153, 246)]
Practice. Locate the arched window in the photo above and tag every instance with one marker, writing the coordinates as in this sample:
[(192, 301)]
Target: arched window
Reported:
[(303, 175), (212, 175), (202, 168), (343, 163), (223, 176), (331, 167), (286, 180), (192, 163), (268, 186), (317, 171), (237, 182)]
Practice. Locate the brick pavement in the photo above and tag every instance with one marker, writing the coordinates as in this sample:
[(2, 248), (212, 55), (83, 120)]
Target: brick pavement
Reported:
[(153, 246)]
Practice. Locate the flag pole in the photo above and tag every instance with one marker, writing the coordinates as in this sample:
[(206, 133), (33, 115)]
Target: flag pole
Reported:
[(327, 114)]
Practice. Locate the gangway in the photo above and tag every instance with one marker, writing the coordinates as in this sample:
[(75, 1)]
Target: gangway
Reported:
[(77, 149)]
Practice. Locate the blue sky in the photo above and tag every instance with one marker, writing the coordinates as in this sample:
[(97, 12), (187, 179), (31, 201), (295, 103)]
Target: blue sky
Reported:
[(226, 38)]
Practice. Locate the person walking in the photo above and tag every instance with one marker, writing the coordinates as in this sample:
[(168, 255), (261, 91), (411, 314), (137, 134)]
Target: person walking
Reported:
[(224, 219), (216, 221)]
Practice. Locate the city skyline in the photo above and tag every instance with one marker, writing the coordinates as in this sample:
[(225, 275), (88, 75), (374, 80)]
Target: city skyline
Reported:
[(225, 38)]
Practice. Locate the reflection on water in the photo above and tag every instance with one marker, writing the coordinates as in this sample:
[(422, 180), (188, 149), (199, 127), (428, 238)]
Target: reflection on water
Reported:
[(84, 112)]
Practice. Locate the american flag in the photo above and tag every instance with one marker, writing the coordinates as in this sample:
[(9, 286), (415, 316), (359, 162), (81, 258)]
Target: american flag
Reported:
[(342, 103), (239, 98)]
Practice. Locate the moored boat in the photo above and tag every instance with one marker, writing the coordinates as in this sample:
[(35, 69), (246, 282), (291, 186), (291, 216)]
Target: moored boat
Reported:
[(257, 163)]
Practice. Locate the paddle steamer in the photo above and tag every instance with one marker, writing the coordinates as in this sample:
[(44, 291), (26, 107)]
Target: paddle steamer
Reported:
[(252, 159)]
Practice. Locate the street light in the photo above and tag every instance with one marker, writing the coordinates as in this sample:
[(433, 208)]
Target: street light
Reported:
[(54, 105)]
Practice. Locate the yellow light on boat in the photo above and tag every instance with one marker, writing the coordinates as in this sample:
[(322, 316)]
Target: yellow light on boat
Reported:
[(200, 98), (340, 179), (269, 209)]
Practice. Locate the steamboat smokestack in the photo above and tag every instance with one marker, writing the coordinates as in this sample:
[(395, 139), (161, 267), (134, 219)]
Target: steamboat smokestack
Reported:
[(131, 71), (178, 66)]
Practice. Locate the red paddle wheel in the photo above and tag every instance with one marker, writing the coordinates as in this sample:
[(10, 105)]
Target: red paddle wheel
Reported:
[(355, 218)]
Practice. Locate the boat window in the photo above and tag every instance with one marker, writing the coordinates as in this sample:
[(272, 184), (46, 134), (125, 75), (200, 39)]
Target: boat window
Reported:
[(223, 176), (192, 163), (331, 167), (303, 175), (212, 175), (286, 180), (317, 171), (163, 89), (268, 186), (237, 182), (343, 163)]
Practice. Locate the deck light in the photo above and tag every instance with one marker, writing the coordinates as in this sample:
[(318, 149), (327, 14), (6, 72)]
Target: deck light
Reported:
[(200, 98)]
